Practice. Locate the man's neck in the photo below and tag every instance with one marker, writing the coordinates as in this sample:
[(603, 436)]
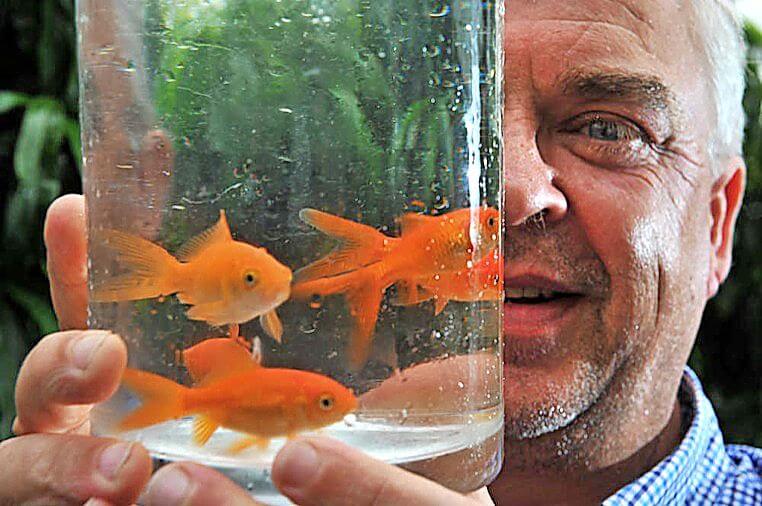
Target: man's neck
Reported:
[(572, 467)]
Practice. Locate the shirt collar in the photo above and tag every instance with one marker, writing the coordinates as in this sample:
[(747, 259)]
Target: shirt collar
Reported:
[(699, 455)]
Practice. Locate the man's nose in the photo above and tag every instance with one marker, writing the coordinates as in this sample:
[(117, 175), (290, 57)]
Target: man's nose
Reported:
[(530, 187)]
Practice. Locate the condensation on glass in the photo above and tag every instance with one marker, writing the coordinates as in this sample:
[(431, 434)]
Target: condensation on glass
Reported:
[(368, 111)]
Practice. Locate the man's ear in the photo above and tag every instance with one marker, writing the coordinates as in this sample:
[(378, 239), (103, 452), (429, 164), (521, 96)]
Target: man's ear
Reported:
[(725, 204)]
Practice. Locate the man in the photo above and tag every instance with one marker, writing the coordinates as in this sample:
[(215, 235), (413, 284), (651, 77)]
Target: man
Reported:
[(623, 181)]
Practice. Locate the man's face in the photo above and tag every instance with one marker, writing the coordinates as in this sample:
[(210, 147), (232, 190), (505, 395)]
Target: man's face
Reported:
[(608, 181)]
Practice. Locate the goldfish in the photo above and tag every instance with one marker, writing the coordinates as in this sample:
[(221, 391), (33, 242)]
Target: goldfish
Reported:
[(258, 401), (224, 280), (206, 358), (481, 282), (366, 262)]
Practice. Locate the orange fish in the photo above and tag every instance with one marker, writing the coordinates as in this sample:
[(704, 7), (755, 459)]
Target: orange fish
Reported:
[(366, 262), (482, 282), (220, 354), (258, 401), (226, 281)]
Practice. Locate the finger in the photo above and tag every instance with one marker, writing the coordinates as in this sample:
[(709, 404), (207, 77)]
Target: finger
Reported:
[(63, 375), (66, 469), (66, 243), (190, 484), (321, 471)]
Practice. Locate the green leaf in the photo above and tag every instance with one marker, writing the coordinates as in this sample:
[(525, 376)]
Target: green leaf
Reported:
[(753, 34), (38, 308), (71, 129), (11, 352), (10, 100), (44, 121)]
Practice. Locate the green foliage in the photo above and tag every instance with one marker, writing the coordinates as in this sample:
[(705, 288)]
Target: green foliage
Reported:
[(274, 82), (39, 141)]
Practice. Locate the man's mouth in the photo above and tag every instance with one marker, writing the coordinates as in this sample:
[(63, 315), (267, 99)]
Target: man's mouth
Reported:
[(537, 306), (533, 295)]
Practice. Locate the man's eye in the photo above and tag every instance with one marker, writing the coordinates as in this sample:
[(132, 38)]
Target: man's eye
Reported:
[(607, 140), (603, 130), (610, 131)]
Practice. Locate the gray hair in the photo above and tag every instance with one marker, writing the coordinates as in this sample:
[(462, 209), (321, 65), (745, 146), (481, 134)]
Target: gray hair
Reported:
[(719, 34)]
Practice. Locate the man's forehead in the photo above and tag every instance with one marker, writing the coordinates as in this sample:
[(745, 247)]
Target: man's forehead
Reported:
[(553, 38)]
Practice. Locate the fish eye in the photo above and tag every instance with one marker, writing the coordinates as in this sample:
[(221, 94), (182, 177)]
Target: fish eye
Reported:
[(326, 402), (491, 221), (250, 279)]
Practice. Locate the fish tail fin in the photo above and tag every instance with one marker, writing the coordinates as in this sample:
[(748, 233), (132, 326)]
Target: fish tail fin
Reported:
[(151, 270), (162, 399), (363, 290), (323, 287), (359, 245)]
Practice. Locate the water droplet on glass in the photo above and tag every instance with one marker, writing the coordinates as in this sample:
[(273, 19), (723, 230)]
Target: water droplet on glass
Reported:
[(442, 12)]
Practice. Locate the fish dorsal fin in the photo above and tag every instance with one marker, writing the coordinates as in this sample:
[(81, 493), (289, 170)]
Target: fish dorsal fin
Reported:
[(411, 221), (213, 359), (203, 428), (220, 232)]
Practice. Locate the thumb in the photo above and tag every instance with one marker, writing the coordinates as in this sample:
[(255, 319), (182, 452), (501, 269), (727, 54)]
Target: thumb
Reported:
[(312, 471)]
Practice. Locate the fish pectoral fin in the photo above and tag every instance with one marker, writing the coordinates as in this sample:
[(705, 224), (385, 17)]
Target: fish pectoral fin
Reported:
[(247, 442), (272, 325), (203, 428), (213, 313), (439, 304), (219, 232)]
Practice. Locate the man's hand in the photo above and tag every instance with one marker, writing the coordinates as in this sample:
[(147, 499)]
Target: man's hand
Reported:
[(55, 461)]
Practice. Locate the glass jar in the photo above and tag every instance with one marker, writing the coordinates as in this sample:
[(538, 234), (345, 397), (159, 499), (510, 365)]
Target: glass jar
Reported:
[(355, 147)]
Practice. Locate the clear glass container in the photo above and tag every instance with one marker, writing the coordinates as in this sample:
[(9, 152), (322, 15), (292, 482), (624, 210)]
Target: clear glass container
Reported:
[(359, 144)]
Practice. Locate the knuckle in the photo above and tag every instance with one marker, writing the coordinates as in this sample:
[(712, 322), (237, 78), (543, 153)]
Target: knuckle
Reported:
[(32, 475)]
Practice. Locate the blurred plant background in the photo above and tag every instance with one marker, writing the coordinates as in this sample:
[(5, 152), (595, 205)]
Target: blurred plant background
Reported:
[(39, 137)]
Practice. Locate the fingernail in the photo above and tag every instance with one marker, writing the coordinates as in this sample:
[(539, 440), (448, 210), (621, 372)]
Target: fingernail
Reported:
[(296, 465), (170, 485), (113, 458), (83, 349)]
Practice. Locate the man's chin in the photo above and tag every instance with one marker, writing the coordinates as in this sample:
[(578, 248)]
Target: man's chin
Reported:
[(540, 400)]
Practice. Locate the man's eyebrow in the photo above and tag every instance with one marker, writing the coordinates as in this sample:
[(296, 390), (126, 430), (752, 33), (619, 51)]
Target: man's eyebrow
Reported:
[(647, 90)]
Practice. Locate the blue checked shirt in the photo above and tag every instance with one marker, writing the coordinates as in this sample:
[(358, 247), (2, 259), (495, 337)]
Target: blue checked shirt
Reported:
[(702, 470)]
